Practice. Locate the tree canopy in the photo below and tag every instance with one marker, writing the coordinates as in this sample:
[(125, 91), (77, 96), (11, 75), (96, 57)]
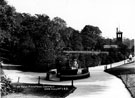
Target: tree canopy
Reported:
[(37, 40)]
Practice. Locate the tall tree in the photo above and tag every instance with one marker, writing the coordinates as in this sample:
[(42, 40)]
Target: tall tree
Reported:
[(76, 41), (7, 20), (7, 27), (66, 36), (90, 34)]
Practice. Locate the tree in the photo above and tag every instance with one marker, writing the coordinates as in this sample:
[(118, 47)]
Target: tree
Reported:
[(60, 22), (91, 40), (66, 36), (76, 41), (45, 52), (7, 20), (7, 27), (3, 36), (128, 42), (124, 50), (90, 34), (56, 28), (100, 43)]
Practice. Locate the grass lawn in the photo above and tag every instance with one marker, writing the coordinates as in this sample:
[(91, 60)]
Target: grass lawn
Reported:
[(40, 91), (127, 74)]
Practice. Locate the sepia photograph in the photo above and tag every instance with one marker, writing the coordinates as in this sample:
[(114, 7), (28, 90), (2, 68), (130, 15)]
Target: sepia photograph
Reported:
[(67, 49)]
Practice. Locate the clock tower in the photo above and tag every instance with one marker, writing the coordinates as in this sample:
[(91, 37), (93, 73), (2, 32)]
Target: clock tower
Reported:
[(118, 36)]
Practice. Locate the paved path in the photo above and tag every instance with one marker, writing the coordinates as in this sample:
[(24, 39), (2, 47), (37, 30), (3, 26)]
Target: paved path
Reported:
[(98, 85)]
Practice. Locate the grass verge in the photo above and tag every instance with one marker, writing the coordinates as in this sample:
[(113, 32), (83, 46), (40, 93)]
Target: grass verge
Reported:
[(40, 90)]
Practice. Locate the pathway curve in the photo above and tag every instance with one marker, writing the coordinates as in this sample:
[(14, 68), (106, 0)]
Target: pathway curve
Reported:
[(98, 85)]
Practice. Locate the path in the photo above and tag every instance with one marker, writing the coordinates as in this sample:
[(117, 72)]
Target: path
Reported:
[(98, 85)]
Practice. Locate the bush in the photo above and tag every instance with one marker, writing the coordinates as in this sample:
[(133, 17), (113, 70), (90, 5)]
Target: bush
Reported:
[(6, 86)]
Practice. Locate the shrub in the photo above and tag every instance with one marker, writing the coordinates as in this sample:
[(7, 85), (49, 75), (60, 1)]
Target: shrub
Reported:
[(6, 86)]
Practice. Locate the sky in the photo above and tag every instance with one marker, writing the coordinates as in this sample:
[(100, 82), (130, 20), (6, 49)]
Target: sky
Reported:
[(106, 14)]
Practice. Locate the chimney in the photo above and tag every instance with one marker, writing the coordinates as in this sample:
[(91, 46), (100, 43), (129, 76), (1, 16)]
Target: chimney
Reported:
[(116, 30)]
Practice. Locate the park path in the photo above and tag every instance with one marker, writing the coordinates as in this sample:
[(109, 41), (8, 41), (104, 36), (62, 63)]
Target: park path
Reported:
[(98, 85)]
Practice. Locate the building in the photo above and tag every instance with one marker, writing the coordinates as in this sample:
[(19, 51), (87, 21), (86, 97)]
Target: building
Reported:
[(119, 36)]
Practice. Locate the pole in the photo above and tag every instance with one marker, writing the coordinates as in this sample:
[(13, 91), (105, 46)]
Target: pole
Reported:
[(111, 65), (39, 80), (124, 59), (105, 67), (17, 84), (72, 83), (18, 79), (126, 78)]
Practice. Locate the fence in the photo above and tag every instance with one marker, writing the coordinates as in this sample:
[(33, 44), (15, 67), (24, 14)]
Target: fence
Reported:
[(39, 81), (127, 61)]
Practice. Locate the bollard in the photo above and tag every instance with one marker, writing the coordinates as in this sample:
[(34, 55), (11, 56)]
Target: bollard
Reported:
[(47, 76), (18, 79), (17, 84), (110, 65), (105, 67), (126, 78), (72, 83), (39, 80)]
